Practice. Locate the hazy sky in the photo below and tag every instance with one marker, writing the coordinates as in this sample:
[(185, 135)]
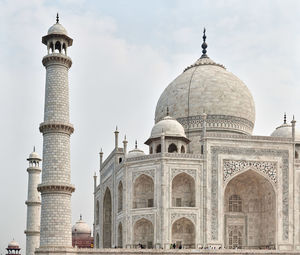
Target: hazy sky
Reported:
[(124, 54)]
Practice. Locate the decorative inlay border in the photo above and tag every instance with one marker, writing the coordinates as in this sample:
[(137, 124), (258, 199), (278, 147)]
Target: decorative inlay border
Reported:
[(191, 172), (191, 216), (283, 154), (149, 217), (136, 174), (232, 167), (217, 121)]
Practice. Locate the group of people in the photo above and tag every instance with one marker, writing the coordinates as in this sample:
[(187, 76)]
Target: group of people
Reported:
[(174, 246)]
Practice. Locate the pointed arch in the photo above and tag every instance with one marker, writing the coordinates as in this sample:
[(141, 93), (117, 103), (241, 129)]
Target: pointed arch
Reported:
[(58, 46), (120, 196), (143, 192), (183, 233), (172, 148), (120, 235), (97, 212), (158, 148), (97, 240), (183, 191), (107, 219), (143, 233), (182, 150), (250, 199)]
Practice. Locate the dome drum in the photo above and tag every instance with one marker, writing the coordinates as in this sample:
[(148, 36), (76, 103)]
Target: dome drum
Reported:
[(217, 123)]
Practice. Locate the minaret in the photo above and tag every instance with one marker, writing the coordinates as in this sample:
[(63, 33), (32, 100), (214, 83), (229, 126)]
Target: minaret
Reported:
[(55, 188), (33, 204)]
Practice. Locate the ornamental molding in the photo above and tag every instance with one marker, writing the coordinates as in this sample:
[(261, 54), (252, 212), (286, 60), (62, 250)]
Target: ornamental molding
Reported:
[(217, 121), (176, 216), (56, 188), (136, 174), (57, 59), (149, 217), (53, 127), (233, 167), (191, 172)]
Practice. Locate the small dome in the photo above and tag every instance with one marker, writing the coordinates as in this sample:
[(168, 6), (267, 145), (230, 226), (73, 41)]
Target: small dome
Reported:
[(34, 155), (169, 126), (13, 244), (285, 130), (57, 29), (136, 152), (81, 227)]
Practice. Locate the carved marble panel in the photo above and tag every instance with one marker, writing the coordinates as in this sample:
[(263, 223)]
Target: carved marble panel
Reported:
[(136, 174), (191, 216), (232, 167), (191, 172), (149, 217)]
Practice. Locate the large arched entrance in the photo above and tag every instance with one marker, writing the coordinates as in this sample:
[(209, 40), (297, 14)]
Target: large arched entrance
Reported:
[(107, 219), (183, 191), (183, 233), (250, 212), (143, 192), (143, 233)]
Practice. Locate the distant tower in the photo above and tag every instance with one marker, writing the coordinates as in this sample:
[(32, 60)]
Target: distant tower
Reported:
[(33, 204), (55, 188), (13, 248)]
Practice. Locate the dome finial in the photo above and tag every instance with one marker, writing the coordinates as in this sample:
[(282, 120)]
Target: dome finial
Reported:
[(204, 45), (80, 216), (33, 148), (284, 118), (135, 144), (57, 18), (167, 110)]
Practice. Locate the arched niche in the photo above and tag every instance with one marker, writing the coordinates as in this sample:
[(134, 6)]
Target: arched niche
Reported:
[(143, 233), (120, 196), (97, 212), (143, 192), (250, 212), (172, 148), (183, 233), (97, 240), (158, 148), (107, 219), (183, 191), (120, 235)]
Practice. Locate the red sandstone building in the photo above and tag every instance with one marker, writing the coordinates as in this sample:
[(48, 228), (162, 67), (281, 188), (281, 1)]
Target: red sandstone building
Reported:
[(81, 235)]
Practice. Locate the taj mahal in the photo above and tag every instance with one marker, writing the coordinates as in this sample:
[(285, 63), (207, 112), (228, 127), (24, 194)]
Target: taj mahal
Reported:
[(205, 181)]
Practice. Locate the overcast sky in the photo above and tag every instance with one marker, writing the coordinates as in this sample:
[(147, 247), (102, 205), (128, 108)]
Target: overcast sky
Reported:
[(124, 54)]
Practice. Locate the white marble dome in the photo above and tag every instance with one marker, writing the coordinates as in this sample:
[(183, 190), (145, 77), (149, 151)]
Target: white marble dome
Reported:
[(34, 155), (13, 243), (208, 87), (285, 130), (81, 227), (169, 126), (135, 153), (57, 29)]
